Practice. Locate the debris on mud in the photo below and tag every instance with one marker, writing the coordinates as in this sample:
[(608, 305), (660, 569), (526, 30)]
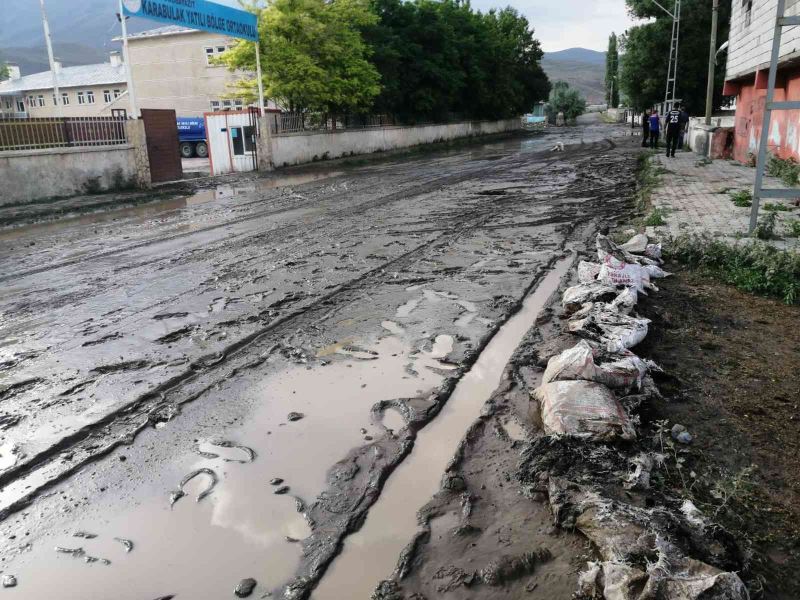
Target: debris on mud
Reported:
[(85, 535), (275, 481), (128, 544), (245, 588), (9, 581), (179, 493), (250, 454), (295, 416), (284, 489), (77, 552)]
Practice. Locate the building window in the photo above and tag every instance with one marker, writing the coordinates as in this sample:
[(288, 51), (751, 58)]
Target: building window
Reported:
[(55, 102), (213, 53), (40, 100), (226, 105), (238, 104), (90, 97), (747, 5), (81, 98), (106, 96), (65, 98), (117, 94), (20, 106), (31, 101), (214, 105)]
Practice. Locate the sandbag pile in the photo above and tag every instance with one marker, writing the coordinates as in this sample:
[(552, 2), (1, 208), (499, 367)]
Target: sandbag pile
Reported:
[(579, 400)]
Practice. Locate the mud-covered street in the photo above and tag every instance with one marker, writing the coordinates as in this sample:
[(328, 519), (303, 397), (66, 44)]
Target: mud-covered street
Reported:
[(217, 387)]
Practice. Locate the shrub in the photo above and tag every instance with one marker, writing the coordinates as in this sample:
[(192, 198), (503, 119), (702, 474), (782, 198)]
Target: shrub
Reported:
[(765, 229), (656, 218), (751, 266), (786, 169), (774, 207), (742, 198)]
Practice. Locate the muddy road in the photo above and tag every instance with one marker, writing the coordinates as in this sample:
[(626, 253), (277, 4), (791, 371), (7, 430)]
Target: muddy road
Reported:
[(212, 388)]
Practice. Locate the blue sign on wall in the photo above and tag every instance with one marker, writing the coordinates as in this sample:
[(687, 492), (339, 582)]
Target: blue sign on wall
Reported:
[(197, 14)]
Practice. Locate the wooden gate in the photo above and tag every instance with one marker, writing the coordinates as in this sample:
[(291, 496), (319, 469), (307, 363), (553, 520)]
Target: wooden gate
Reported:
[(161, 131)]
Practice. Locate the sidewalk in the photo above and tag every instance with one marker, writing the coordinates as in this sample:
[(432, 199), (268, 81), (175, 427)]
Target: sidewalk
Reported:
[(695, 196)]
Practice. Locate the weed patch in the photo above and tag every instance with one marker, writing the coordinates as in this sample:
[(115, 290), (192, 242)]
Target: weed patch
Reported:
[(656, 218), (742, 198), (765, 229), (793, 228), (787, 170), (752, 266), (774, 207)]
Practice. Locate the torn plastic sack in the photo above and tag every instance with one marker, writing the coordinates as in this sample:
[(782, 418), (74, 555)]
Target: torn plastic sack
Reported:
[(584, 409), (617, 272), (606, 248), (588, 271), (637, 244), (615, 331), (653, 251), (655, 272), (625, 301), (576, 296), (582, 362)]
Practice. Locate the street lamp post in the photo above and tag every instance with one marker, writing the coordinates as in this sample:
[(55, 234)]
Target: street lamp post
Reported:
[(712, 58), (672, 67)]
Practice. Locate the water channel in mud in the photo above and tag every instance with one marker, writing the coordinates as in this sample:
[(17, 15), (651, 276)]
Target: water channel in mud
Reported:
[(371, 554)]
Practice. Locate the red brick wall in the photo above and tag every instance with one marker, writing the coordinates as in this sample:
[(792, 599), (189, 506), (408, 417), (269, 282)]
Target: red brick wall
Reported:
[(784, 139)]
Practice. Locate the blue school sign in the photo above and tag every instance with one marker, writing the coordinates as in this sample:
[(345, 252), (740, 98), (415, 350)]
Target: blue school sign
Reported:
[(196, 14)]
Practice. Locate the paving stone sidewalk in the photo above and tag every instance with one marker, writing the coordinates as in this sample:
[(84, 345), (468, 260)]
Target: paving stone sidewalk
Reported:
[(695, 195)]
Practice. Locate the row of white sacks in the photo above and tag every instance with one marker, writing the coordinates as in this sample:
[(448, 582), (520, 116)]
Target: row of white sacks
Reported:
[(577, 398)]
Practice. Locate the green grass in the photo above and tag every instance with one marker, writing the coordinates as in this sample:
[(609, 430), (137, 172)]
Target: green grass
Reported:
[(786, 169), (765, 229), (753, 266), (656, 218), (648, 176), (742, 198), (793, 228), (773, 207)]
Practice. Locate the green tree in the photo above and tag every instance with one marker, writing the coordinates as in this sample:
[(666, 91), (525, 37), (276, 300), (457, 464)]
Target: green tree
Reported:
[(313, 56), (439, 57), (566, 100), (3, 71), (644, 62), (612, 72)]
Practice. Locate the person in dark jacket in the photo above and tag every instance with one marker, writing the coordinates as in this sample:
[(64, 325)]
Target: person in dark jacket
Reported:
[(684, 126), (674, 124), (655, 128), (645, 129)]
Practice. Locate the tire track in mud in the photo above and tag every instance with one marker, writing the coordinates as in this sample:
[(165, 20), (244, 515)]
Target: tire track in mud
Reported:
[(91, 442), (440, 180), (422, 188)]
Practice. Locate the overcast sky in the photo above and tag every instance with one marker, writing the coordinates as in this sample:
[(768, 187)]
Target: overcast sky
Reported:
[(561, 24)]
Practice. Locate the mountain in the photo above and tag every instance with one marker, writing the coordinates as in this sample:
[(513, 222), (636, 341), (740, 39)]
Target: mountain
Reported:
[(34, 60), (581, 68)]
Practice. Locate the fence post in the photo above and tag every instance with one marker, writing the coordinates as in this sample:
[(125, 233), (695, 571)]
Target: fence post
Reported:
[(67, 136)]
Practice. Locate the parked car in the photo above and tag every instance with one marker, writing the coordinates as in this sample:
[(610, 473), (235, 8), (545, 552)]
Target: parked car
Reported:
[(192, 137)]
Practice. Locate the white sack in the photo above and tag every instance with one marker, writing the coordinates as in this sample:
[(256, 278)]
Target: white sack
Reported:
[(583, 409), (615, 331), (637, 244), (576, 296), (581, 363), (587, 271)]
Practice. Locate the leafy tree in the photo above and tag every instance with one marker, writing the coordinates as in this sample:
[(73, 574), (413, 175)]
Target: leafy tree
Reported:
[(612, 72), (646, 53), (313, 56), (3, 71), (567, 100), (437, 58)]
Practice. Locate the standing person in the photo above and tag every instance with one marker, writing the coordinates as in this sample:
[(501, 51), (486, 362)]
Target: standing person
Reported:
[(674, 126), (655, 128), (645, 129)]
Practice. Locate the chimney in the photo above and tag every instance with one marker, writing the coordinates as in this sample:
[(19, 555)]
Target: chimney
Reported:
[(57, 64), (13, 72), (116, 59)]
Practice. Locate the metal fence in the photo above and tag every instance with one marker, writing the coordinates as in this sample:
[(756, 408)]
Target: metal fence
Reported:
[(61, 132), (284, 123)]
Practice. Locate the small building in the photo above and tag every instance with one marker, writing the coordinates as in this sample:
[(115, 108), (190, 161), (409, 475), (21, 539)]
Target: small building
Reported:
[(749, 50), (173, 68), (85, 90)]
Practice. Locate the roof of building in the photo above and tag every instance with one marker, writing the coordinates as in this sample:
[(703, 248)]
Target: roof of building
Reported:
[(160, 31), (68, 77)]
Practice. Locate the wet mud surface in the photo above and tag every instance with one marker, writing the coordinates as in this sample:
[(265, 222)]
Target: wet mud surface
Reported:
[(159, 371)]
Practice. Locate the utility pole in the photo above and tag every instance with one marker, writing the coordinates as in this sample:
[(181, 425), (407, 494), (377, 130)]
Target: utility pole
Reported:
[(712, 56), (672, 67), (49, 43), (128, 67)]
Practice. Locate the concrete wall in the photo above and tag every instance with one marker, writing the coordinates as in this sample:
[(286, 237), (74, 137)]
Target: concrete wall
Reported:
[(30, 175), (172, 72), (299, 148), (751, 44)]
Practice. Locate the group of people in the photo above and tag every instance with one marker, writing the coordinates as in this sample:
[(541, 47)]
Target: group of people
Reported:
[(675, 123)]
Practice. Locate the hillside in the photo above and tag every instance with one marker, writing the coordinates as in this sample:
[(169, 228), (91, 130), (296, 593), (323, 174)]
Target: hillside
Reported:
[(582, 68), (34, 60)]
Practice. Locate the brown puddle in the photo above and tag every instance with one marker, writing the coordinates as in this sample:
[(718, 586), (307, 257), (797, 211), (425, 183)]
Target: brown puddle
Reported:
[(370, 554), (200, 549)]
